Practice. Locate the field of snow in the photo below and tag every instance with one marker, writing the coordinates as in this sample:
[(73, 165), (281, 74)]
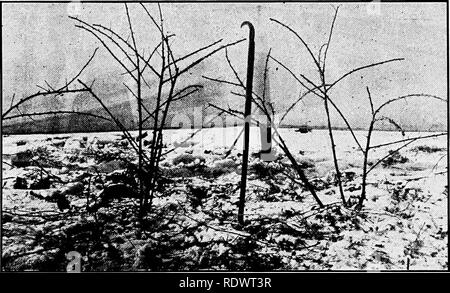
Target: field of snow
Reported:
[(403, 224)]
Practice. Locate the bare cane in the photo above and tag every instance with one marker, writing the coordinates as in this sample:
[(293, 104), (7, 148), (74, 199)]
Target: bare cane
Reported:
[(247, 113)]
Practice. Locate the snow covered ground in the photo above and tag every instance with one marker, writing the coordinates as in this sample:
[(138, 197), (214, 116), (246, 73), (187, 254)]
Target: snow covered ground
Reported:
[(403, 224)]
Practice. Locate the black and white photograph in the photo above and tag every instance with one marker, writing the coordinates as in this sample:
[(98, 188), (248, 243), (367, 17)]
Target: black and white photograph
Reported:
[(224, 137)]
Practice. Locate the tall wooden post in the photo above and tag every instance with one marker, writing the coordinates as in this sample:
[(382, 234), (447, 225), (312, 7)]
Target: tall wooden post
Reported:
[(247, 113)]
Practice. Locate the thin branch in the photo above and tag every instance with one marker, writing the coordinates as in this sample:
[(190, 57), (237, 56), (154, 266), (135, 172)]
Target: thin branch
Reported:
[(390, 154), (96, 26), (194, 86), (131, 28), (139, 100), (370, 100), (296, 78), (113, 117), (297, 168), (237, 94), (320, 52), (196, 62), (329, 40), (109, 50), (234, 144), (231, 112), (147, 62), (408, 139), (408, 96), (222, 81), (12, 100), (55, 113), (236, 111), (232, 68), (152, 18), (185, 95), (292, 106), (194, 52), (49, 86), (254, 100), (170, 56), (175, 97), (41, 87), (361, 68), (255, 96), (300, 38), (57, 92), (393, 122), (64, 89), (312, 90), (266, 66), (161, 18)]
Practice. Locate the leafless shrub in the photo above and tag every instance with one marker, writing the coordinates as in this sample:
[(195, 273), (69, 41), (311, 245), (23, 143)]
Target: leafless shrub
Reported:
[(393, 156), (161, 64)]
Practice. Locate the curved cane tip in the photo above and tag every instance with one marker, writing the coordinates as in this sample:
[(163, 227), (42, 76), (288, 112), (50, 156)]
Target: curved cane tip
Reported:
[(247, 23)]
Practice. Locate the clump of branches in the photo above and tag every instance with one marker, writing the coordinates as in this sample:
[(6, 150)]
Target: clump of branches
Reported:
[(322, 89), (158, 71), (166, 71), (15, 112), (375, 117)]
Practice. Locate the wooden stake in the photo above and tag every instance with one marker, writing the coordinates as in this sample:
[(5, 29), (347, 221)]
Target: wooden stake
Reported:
[(247, 113)]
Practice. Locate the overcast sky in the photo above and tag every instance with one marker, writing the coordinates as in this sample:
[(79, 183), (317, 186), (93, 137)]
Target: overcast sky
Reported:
[(41, 43)]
